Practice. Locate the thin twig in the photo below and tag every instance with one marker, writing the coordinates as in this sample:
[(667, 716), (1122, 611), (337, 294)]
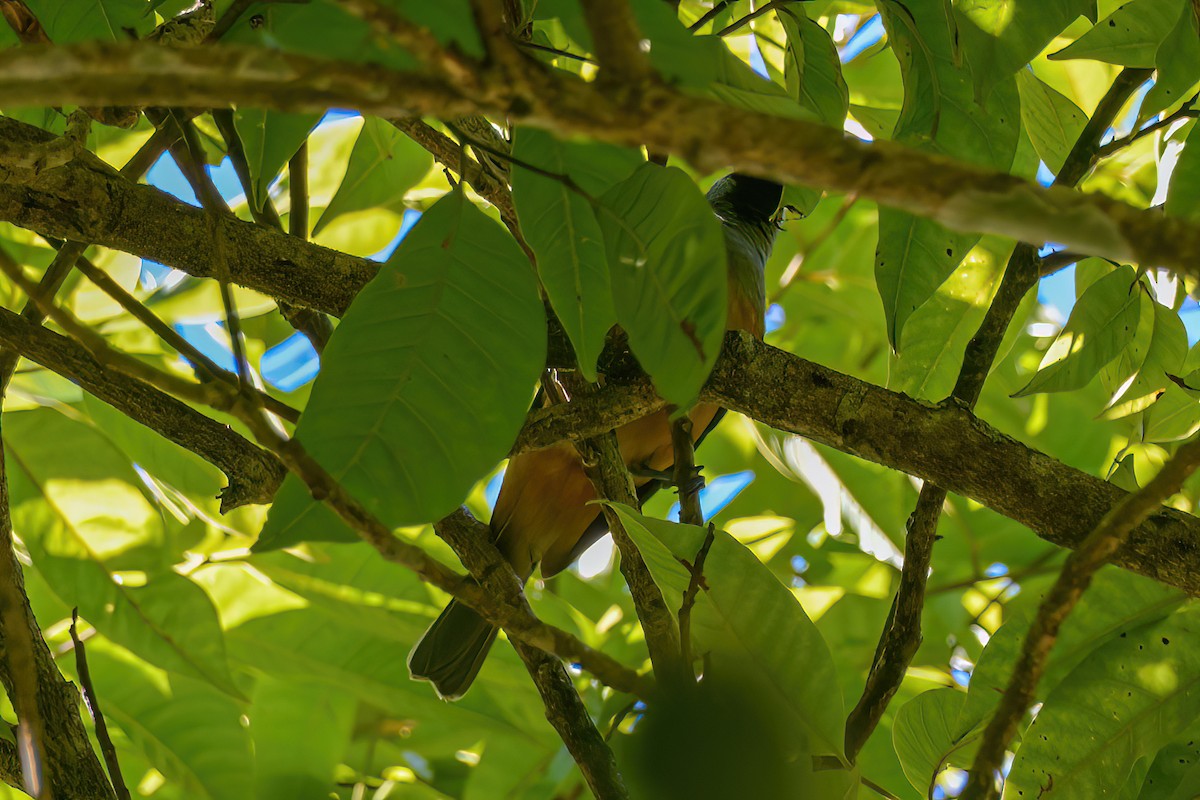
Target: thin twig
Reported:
[(1186, 111), (92, 700), (738, 24), (298, 193), (555, 51), (793, 269), (1062, 598), (695, 584), (709, 15)]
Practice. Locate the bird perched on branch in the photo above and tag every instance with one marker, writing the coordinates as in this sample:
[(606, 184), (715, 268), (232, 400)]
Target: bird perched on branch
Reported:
[(542, 514)]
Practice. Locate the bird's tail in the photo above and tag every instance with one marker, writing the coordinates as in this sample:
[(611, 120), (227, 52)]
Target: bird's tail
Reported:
[(451, 652)]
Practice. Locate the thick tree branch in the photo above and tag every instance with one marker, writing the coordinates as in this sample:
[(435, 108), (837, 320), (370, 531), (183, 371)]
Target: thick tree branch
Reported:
[(471, 541), (709, 134), (1073, 581)]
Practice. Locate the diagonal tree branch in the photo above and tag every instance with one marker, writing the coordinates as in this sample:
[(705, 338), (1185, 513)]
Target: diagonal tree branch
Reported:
[(707, 133), (471, 541)]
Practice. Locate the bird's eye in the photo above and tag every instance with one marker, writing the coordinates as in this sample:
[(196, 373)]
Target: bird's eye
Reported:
[(257, 21)]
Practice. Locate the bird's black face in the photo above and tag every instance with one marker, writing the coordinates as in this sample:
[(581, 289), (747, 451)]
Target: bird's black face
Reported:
[(752, 199)]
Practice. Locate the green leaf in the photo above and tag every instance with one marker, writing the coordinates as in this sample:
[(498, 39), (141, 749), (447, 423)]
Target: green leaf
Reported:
[(812, 70), (925, 735), (83, 521), (940, 114), (190, 733), (1052, 120), (1124, 703), (319, 28), (561, 227), (936, 335), (1138, 376), (1117, 601), (1183, 196), (666, 255), (383, 166), (450, 21), (1001, 37), (1178, 62), (1129, 36), (426, 381), (1102, 323), (745, 610), (301, 729), (106, 20), (270, 139)]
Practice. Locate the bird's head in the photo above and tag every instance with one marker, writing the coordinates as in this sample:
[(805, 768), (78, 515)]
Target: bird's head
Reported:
[(744, 198)]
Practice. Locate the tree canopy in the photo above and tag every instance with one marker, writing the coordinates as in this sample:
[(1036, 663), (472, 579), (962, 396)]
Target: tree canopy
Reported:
[(280, 281)]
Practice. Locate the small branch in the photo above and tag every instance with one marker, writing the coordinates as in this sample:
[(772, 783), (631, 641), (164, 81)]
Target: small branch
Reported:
[(605, 468), (709, 15), (1095, 551), (686, 475), (738, 24), (92, 700), (541, 48), (1186, 111), (298, 193), (1058, 260), (471, 541), (695, 584)]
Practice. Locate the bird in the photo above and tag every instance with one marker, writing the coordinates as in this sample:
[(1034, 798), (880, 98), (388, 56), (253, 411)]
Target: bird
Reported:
[(544, 513)]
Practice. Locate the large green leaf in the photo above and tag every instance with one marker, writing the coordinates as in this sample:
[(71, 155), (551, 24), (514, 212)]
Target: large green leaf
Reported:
[(426, 381), (1052, 120), (83, 521), (746, 612), (1117, 601), (560, 225), (1102, 323), (1178, 62), (667, 259), (107, 20), (940, 114), (270, 139), (812, 70), (1001, 37), (301, 729), (1137, 377), (384, 165), (189, 732), (320, 28), (926, 736), (1129, 36), (1124, 703)]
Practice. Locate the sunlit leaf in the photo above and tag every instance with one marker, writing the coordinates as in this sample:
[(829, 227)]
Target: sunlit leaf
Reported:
[(84, 527), (812, 70), (189, 732), (1103, 322), (1052, 120), (1139, 375), (270, 139), (1130, 699), (1129, 36), (384, 165)]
